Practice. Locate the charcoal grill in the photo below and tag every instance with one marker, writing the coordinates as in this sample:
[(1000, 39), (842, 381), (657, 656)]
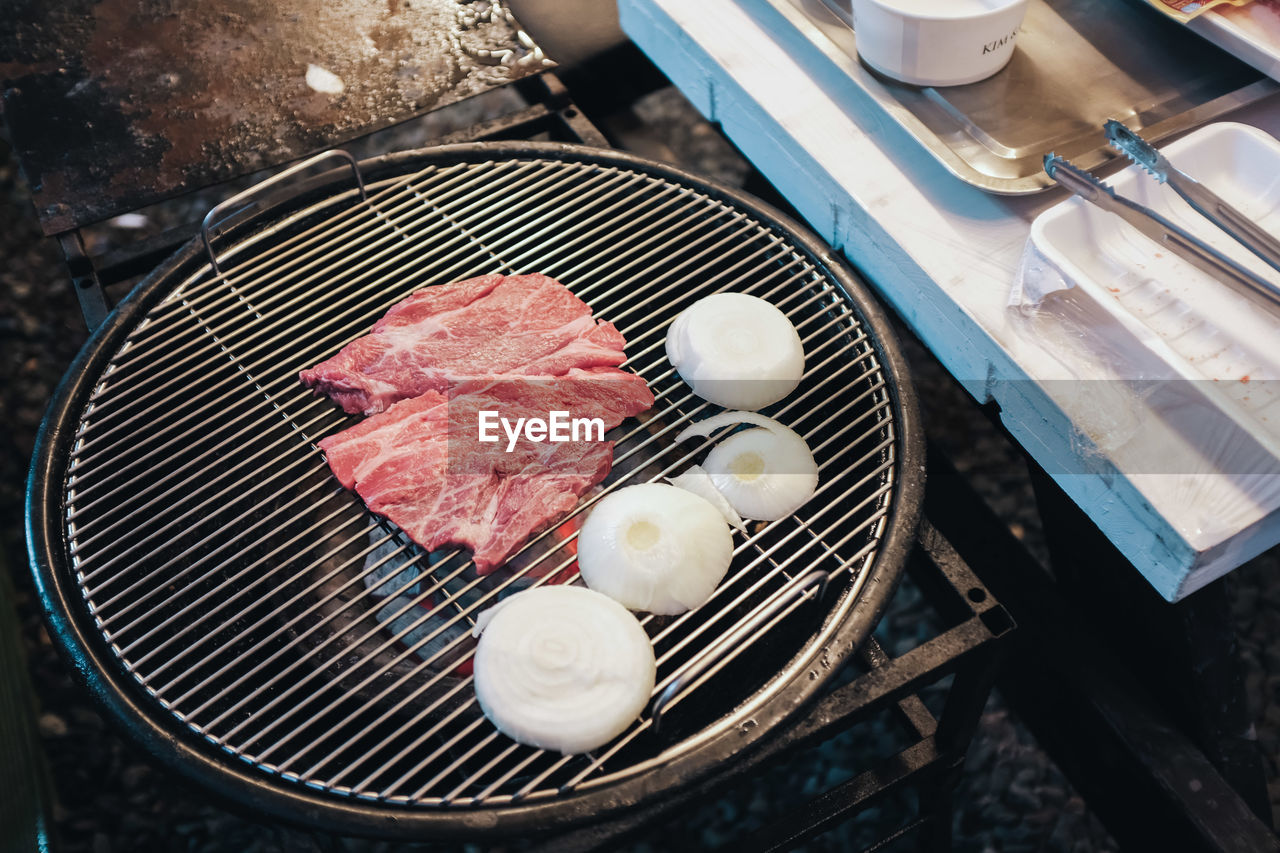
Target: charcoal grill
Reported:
[(212, 581)]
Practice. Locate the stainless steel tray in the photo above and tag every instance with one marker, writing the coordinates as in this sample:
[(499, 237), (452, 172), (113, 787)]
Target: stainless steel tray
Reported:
[(1077, 63)]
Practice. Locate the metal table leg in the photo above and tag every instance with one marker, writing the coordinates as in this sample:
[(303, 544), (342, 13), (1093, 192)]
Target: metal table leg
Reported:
[(1185, 654), (1149, 783)]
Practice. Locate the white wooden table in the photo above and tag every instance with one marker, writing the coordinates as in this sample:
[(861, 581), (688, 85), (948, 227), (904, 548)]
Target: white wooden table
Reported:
[(944, 254)]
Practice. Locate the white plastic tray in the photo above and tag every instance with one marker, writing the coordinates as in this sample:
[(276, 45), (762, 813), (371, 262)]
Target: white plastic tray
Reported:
[(1226, 342)]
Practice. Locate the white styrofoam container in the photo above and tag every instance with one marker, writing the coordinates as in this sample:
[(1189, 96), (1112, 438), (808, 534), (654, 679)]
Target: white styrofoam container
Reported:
[(1226, 341)]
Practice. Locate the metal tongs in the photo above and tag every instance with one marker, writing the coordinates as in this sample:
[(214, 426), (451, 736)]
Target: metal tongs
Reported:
[(1206, 202), (1162, 231)]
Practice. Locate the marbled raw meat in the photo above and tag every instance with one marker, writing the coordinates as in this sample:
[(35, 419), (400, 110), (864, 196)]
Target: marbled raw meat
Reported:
[(527, 325), (421, 465)]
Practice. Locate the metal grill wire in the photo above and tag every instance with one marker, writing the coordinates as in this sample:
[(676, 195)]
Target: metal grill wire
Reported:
[(239, 583)]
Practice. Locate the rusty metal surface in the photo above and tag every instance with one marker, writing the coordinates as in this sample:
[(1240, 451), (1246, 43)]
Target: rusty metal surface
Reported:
[(115, 104)]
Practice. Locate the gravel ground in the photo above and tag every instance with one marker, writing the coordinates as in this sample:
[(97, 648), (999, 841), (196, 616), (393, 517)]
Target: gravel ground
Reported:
[(111, 798)]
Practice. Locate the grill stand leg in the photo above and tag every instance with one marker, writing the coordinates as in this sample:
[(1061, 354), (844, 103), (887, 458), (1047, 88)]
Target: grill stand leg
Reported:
[(956, 727), (93, 299), (965, 701)]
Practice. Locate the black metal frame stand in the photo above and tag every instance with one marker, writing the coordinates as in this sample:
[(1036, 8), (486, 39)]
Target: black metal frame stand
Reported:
[(969, 649)]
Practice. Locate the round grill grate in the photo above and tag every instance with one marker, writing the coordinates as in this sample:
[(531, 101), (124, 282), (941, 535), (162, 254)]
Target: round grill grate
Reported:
[(258, 602)]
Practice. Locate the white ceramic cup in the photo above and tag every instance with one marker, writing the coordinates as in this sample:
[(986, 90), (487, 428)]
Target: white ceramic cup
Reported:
[(937, 42)]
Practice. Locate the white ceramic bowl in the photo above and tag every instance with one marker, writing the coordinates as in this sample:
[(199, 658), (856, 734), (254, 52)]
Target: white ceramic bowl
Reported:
[(937, 42)]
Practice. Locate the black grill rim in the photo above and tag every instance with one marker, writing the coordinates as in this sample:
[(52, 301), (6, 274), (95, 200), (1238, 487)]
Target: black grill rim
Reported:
[(242, 785)]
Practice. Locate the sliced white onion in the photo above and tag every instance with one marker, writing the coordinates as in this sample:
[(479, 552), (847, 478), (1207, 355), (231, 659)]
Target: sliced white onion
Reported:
[(654, 547), (766, 473), (695, 480), (562, 668), (736, 350)]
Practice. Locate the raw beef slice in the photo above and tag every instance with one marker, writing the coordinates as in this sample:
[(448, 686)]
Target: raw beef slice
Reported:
[(421, 465), (526, 325)]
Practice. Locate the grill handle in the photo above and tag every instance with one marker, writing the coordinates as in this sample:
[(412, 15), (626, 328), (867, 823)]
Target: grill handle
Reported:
[(214, 214), (730, 643)]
